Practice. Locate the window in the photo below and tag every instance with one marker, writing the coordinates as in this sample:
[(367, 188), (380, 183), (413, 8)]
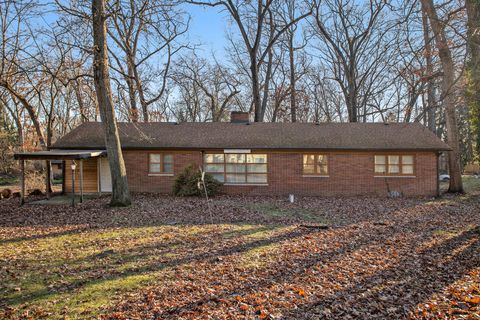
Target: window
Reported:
[(237, 168), (395, 165), (160, 163), (315, 164)]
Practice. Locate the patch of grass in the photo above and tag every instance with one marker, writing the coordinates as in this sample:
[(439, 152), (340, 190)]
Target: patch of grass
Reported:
[(471, 184), (274, 211), (80, 273), (251, 231), (7, 180), (259, 256), (450, 233), (445, 233)]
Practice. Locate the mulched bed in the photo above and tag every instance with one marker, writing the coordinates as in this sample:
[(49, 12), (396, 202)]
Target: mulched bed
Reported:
[(380, 258)]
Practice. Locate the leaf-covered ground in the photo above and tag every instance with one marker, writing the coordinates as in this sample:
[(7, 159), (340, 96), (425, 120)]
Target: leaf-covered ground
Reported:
[(251, 258)]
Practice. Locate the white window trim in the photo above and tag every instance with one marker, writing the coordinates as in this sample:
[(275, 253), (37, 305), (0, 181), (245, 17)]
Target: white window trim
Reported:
[(315, 176), (237, 151), (406, 177), (160, 174), (246, 184), (246, 163)]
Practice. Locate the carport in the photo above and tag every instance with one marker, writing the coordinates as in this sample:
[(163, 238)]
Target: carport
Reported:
[(76, 156)]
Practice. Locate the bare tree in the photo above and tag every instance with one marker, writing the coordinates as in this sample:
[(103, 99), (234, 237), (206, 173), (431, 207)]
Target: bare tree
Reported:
[(207, 90), (143, 31), (325, 105), (296, 57), (15, 67), (355, 40), (120, 193), (449, 95), (473, 75), (15, 110), (252, 18)]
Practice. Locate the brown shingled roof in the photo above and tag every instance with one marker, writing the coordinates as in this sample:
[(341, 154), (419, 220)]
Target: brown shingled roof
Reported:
[(222, 135)]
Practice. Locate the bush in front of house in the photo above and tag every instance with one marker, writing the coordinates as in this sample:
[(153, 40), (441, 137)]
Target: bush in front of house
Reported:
[(187, 183), (6, 193)]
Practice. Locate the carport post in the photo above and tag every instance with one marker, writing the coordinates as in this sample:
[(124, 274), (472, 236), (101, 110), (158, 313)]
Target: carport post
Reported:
[(99, 176), (47, 179), (22, 182), (81, 180), (73, 183)]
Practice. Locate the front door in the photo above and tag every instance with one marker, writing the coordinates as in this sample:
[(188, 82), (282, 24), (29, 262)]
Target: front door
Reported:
[(105, 176)]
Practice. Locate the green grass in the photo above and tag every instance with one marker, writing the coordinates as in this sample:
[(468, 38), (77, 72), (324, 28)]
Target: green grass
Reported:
[(7, 180), (470, 184), (78, 274), (274, 211), (446, 233)]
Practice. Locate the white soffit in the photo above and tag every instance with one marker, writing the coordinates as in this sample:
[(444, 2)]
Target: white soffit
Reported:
[(237, 151)]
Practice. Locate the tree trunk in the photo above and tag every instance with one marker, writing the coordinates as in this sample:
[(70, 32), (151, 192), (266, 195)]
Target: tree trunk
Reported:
[(81, 105), (141, 94), (351, 100), (293, 89), (31, 112), (448, 96), (120, 193), (131, 92), (473, 67), (266, 88), (350, 93), (430, 112), (257, 103)]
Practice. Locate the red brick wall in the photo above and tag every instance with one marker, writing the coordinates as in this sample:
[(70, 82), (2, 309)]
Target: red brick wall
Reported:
[(139, 180), (350, 173)]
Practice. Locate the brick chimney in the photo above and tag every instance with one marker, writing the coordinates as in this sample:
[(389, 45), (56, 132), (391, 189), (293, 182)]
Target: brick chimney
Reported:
[(239, 117)]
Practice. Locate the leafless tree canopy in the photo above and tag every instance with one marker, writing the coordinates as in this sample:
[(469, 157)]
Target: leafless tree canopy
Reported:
[(308, 61)]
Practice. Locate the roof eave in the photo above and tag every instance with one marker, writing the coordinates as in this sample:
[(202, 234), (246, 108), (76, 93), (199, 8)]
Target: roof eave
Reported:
[(430, 149)]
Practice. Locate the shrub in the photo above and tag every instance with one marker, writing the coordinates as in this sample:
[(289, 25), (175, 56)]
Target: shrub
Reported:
[(35, 192), (186, 183), (6, 193)]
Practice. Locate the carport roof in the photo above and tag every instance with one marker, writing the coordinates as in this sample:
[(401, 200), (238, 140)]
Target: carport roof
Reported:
[(60, 154)]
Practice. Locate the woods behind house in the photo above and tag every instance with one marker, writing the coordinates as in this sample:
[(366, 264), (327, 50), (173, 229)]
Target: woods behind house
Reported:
[(283, 61)]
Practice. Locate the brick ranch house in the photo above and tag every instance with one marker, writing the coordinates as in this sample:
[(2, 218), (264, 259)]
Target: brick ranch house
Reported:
[(328, 159)]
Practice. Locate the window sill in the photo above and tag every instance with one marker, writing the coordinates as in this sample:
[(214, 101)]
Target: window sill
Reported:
[(314, 176), (247, 184), (407, 177), (160, 174)]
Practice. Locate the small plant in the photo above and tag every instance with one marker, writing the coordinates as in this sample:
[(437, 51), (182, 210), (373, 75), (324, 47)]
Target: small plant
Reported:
[(188, 183)]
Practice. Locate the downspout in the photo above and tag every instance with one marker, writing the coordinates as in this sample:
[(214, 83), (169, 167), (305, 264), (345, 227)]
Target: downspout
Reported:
[(438, 174)]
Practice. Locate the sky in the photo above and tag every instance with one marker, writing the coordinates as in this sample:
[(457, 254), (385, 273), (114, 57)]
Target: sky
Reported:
[(208, 27)]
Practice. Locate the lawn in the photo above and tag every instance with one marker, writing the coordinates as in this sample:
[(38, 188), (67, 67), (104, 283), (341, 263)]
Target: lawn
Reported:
[(7, 180), (256, 257)]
